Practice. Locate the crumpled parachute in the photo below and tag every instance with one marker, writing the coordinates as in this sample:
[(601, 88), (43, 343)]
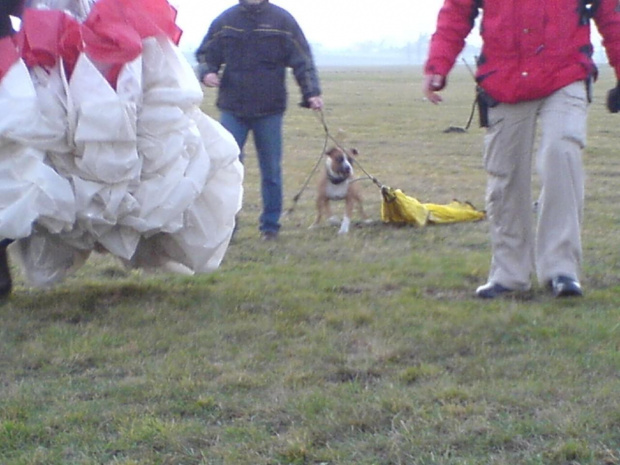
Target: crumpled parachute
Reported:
[(399, 208), (103, 145)]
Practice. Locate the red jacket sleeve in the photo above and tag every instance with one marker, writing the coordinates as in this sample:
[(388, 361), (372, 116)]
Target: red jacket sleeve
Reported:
[(454, 23)]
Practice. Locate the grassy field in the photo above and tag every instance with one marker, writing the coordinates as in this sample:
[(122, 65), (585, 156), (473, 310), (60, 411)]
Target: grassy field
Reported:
[(322, 349)]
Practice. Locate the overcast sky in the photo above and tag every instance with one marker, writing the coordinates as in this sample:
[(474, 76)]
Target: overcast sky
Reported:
[(330, 23)]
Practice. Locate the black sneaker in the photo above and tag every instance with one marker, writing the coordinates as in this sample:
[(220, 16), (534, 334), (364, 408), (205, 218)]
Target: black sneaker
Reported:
[(563, 286), (6, 283), (269, 235), (492, 290)]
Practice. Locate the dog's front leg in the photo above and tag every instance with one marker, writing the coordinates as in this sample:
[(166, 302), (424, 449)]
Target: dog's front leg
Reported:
[(333, 220), (346, 219), (320, 207)]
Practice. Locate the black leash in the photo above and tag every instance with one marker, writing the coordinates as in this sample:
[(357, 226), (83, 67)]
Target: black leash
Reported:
[(337, 144), (328, 137), (473, 107), (316, 165)]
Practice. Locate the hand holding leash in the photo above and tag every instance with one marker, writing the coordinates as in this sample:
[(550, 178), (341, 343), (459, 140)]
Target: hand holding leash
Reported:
[(315, 103)]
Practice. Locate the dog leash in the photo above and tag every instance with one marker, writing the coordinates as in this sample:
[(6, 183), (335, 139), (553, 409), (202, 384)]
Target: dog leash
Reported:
[(328, 137), (355, 160), (307, 181)]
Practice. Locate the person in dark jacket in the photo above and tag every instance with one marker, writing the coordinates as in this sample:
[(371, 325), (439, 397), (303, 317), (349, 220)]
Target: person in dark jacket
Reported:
[(8, 8), (535, 67), (245, 54)]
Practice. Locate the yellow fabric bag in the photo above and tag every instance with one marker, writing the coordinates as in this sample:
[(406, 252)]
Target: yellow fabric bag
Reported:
[(397, 207)]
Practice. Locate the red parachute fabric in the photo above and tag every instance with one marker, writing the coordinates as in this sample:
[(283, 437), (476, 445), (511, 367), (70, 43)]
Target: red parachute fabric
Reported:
[(114, 29), (9, 54), (109, 38), (153, 18), (46, 36)]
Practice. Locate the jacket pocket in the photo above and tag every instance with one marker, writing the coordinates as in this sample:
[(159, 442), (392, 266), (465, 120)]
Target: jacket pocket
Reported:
[(498, 161), (271, 50), (232, 41)]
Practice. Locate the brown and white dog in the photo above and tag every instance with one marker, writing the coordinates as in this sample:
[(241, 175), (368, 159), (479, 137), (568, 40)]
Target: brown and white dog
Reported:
[(336, 183)]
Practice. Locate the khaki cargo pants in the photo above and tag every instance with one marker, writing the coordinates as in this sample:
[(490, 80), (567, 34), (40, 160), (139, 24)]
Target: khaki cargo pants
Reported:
[(553, 247)]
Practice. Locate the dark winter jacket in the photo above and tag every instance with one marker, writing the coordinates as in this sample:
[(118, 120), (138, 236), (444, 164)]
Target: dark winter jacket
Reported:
[(255, 46), (531, 48), (9, 7)]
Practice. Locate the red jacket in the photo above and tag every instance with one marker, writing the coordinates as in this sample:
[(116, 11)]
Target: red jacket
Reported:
[(531, 48)]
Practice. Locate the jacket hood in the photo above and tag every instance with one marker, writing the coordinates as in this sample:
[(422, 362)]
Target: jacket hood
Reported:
[(253, 6)]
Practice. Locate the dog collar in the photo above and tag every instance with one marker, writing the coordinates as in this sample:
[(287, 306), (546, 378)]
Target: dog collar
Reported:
[(337, 179)]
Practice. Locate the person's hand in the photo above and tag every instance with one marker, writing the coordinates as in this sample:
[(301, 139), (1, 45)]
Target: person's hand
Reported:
[(211, 80), (315, 103), (613, 99), (432, 84)]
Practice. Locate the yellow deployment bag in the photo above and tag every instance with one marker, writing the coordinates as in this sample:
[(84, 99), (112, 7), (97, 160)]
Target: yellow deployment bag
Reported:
[(399, 208)]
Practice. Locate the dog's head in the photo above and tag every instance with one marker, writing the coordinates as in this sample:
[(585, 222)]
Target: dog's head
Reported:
[(339, 163)]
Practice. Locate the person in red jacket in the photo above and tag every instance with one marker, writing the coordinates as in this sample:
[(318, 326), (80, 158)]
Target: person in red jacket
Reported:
[(535, 68)]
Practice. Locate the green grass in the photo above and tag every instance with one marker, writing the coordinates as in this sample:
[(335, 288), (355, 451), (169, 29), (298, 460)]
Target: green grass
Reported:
[(321, 349)]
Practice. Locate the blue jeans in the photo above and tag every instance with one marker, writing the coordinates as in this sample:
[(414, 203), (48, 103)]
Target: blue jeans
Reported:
[(267, 132)]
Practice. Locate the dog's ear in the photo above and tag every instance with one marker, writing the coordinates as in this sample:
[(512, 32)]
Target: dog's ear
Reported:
[(332, 151)]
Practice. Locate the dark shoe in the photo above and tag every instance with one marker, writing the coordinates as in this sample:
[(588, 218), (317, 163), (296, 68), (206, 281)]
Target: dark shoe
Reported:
[(563, 286), (6, 283), (492, 290), (269, 235)]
